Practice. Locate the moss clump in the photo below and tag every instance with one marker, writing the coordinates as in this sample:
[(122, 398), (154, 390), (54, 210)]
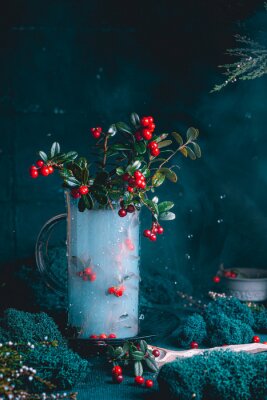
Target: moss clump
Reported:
[(220, 375), (260, 320), (56, 362), (193, 329)]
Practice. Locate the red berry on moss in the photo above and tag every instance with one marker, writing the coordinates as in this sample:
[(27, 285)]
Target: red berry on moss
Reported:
[(112, 336), (153, 237), (147, 233), (149, 383), (156, 353), (75, 193), (103, 336), (117, 370), (39, 163), (160, 230), (130, 208), (147, 134), (122, 213), (44, 170), (83, 189), (256, 339), (139, 380), (194, 345), (33, 171), (216, 279)]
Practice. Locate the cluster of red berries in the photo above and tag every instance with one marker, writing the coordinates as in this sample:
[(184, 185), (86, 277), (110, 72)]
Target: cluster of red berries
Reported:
[(80, 191), (146, 130), (152, 233), (137, 181), (116, 291), (229, 274), (123, 211), (154, 148), (96, 132), (117, 377), (104, 336), (87, 274), (40, 168)]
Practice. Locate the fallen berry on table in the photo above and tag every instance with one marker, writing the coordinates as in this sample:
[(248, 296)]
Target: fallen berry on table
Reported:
[(194, 345), (149, 383), (156, 353), (119, 292), (216, 279), (117, 370), (256, 339), (139, 380), (112, 290), (264, 342)]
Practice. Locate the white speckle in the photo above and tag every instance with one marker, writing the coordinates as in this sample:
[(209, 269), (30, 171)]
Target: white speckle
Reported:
[(187, 256), (219, 221), (222, 196)]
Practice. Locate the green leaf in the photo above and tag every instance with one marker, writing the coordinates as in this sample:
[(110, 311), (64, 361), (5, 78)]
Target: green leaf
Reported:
[(121, 126), (72, 181), (165, 206), (183, 150), (197, 149), (151, 364), (169, 173), (100, 194), (133, 167), (143, 345), (178, 138), (82, 163), (135, 120), (55, 149), (118, 351), (43, 156), (161, 137), (158, 179), (145, 171), (85, 175), (119, 146), (138, 368), (153, 206), (190, 153), (119, 171), (154, 160), (112, 130), (71, 155), (140, 147), (192, 133), (101, 178), (165, 143), (65, 173), (137, 355), (88, 201), (167, 216), (81, 205)]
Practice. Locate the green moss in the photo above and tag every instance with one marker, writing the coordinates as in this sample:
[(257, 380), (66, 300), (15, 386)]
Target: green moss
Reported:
[(220, 375), (260, 320), (193, 329)]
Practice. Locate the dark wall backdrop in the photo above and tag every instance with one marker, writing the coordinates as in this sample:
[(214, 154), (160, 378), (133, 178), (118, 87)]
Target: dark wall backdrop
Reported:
[(69, 65)]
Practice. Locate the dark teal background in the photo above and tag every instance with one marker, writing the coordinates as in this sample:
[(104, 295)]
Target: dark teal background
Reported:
[(69, 65)]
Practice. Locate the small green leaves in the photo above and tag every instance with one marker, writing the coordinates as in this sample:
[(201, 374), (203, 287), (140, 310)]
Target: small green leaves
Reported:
[(167, 216), (121, 126), (138, 368), (72, 181), (133, 167), (55, 149), (158, 179), (135, 120), (178, 138), (165, 206), (165, 143), (112, 130), (152, 206), (161, 137), (43, 156), (137, 355), (183, 150), (120, 147), (119, 171), (140, 147), (190, 153), (192, 134), (169, 173), (151, 363), (197, 149)]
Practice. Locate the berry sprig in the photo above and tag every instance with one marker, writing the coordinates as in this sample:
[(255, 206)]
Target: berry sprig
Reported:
[(87, 274), (152, 233), (140, 170), (117, 291)]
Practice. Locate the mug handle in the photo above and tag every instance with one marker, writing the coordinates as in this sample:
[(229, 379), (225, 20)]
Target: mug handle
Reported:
[(41, 254)]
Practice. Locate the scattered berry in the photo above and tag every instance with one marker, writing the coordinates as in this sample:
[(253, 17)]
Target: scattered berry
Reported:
[(103, 336), (256, 339), (156, 353), (194, 345), (216, 279), (96, 132), (117, 370), (149, 383), (83, 189), (117, 378), (112, 336), (33, 171), (264, 342), (122, 213), (139, 380), (119, 292), (75, 193), (93, 337), (39, 163), (44, 170)]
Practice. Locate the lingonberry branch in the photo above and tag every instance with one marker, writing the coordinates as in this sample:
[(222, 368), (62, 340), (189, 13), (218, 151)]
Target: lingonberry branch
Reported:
[(133, 177)]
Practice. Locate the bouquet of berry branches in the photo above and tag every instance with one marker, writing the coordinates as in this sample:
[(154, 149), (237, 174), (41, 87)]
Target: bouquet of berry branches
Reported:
[(132, 162)]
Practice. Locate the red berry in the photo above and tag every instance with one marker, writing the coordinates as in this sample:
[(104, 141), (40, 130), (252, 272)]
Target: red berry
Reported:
[(155, 151), (33, 171), (227, 274), (156, 353), (117, 370), (142, 185), (39, 163), (152, 145), (147, 134), (131, 181), (75, 193), (103, 336), (122, 213), (144, 121), (139, 380), (138, 136), (154, 229), (160, 230), (147, 233), (117, 378), (125, 177), (264, 342), (256, 339), (119, 292), (96, 132), (138, 174), (83, 189), (92, 277), (51, 169), (194, 345), (153, 237), (150, 119), (216, 279), (93, 337), (151, 127), (44, 170), (233, 275), (130, 189), (112, 290), (129, 244), (149, 383), (130, 208), (88, 271), (112, 336), (84, 277)]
